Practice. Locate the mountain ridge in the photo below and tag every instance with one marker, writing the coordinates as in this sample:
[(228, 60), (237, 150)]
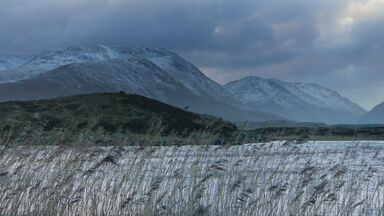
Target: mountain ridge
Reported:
[(375, 116), (161, 74), (146, 71), (170, 62), (297, 101)]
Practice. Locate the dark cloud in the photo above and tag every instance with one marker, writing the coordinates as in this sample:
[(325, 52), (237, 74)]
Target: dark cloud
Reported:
[(292, 40)]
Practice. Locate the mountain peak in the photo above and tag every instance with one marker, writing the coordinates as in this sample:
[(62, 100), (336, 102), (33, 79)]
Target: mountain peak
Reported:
[(298, 101), (375, 116), (250, 78), (51, 59), (147, 70), (117, 51)]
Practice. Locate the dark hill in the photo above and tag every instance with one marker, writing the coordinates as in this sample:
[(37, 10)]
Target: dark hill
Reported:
[(113, 112)]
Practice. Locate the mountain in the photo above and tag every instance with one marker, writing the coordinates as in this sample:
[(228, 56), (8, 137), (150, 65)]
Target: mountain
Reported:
[(114, 112), (150, 71), (375, 116), (12, 61), (51, 59), (186, 73), (297, 101)]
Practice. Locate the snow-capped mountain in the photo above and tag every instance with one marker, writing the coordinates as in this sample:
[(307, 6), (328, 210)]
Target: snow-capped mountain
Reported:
[(297, 101), (51, 59), (161, 74), (12, 61), (375, 116), (185, 72), (188, 74), (153, 72)]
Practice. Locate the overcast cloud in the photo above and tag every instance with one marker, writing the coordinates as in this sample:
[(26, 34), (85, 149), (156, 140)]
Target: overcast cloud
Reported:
[(336, 43)]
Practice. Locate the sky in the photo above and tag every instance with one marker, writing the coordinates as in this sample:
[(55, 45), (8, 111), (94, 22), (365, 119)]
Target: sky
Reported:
[(335, 43)]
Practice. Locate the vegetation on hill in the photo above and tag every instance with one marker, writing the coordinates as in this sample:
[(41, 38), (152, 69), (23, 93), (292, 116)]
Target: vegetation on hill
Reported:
[(113, 113)]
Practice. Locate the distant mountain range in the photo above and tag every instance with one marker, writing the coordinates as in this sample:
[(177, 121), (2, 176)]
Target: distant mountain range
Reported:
[(161, 74), (149, 71), (297, 101), (375, 116)]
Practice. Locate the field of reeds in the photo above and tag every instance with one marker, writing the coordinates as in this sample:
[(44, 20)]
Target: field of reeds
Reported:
[(273, 178)]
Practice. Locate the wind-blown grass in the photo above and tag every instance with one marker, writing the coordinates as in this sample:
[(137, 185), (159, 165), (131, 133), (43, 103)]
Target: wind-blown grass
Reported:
[(277, 178)]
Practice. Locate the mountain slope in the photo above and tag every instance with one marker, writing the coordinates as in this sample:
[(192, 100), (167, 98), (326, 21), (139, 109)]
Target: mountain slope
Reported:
[(114, 112), (297, 101), (52, 59), (186, 73), (130, 74), (183, 71), (375, 116), (12, 61)]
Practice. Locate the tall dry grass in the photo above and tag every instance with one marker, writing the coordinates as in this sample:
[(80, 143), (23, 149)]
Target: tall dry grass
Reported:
[(141, 177)]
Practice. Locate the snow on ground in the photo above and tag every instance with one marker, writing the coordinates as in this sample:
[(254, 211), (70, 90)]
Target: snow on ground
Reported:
[(278, 178)]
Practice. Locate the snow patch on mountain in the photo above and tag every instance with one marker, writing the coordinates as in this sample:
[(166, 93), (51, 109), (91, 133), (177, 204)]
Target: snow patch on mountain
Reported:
[(183, 71), (298, 101), (12, 61)]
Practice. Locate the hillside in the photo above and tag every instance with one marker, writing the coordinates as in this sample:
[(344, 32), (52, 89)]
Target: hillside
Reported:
[(375, 116), (113, 112), (305, 102)]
